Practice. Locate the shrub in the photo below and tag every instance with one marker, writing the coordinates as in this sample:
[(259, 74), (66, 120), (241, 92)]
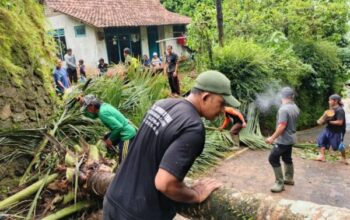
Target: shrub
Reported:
[(246, 64)]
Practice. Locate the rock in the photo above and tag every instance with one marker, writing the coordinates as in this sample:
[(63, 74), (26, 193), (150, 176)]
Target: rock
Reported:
[(31, 96), (4, 125), (30, 105), (19, 117), (27, 83), (9, 92), (32, 115), (41, 102), (18, 107), (6, 112)]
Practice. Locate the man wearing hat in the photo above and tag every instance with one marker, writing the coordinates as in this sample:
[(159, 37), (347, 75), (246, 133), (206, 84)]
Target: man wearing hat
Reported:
[(171, 137), (121, 131), (333, 134), (283, 140)]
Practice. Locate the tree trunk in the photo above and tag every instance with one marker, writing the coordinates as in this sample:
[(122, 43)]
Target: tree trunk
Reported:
[(231, 204), (220, 21)]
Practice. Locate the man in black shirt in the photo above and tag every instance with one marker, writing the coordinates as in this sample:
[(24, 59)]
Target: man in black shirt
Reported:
[(333, 134), (171, 67), (171, 137)]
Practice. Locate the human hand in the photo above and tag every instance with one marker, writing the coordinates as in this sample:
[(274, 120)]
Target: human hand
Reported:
[(205, 187), (220, 129), (175, 74), (269, 140), (244, 125), (108, 143)]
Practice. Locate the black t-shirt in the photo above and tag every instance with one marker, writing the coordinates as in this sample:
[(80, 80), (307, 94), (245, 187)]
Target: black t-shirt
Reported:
[(339, 115), (171, 137), (103, 67), (171, 60)]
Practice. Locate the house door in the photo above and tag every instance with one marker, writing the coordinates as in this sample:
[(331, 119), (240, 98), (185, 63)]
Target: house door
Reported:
[(152, 32), (124, 42)]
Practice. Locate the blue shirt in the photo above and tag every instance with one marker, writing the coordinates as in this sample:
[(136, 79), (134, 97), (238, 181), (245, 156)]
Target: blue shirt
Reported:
[(61, 75)]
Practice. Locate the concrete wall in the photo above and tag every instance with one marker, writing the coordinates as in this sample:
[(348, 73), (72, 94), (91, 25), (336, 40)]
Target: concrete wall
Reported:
[(167, 32), (89, 47)]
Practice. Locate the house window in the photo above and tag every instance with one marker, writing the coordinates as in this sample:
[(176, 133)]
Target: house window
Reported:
[(80, 31), (179, 30), (60, 39)]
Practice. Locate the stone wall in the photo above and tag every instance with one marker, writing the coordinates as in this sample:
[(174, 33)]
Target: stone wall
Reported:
[(25, 105)]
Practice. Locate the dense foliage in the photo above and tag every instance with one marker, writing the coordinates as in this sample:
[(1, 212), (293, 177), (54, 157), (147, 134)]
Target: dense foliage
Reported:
[(298, 43), (25, 46)]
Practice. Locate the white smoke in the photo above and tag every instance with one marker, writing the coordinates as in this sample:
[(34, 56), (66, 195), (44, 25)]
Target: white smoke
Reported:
[(269, 99)]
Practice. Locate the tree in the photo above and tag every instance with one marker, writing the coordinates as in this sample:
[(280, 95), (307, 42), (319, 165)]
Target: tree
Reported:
[(219, 17)]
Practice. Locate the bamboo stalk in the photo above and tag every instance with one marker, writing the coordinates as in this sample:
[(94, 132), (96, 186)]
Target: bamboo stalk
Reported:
[(26, 192), (69, 210)]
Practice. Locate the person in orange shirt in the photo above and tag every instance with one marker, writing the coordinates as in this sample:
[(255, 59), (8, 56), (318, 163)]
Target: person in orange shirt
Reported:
[(234, 117)]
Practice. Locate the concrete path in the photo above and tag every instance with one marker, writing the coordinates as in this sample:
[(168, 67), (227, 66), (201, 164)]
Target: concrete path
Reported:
[(323, 183)]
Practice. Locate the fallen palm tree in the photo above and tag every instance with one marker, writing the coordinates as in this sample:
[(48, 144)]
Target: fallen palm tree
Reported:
[(227, 203)]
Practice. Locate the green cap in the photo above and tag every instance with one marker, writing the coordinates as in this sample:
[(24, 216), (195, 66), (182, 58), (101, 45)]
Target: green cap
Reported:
[(216, 82)]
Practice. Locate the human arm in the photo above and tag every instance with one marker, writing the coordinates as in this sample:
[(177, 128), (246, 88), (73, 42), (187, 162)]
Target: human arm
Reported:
[(281, 126), (225, 123), (66, 59), (337, 122), (176, 162), (176, 66), (178, 191), (279, 130), (112, 123)]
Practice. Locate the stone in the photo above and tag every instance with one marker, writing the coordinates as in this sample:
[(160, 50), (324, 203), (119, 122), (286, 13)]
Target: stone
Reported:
[(6, 112), (9, 92), (4, 125), (32, 115), (18, 107), (31, 96), (27, 83), (41, 102), (30, 105), (19, 117)]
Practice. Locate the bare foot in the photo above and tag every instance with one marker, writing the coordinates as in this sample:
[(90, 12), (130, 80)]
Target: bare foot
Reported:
[(344, 161), (320, 158)]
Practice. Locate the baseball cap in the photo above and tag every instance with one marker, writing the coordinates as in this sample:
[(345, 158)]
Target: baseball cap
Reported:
[(335, 97), (216, 82), (88, 99), (155, 54), (287, 92)]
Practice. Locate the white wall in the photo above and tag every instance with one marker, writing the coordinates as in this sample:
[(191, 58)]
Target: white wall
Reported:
[(167, 32), (88, 47)]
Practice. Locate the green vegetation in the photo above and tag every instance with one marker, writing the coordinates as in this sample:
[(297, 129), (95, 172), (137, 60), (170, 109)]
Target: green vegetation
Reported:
[(299, 43), (25, 46)]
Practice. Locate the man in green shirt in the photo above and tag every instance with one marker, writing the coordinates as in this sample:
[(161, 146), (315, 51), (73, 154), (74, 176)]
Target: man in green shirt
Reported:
[(121, 131)]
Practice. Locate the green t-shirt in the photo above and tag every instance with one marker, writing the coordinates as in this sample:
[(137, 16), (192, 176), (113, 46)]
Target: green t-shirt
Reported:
[(114, 120)]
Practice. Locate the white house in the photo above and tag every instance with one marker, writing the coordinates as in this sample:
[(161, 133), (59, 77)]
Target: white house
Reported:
[(96, 29)]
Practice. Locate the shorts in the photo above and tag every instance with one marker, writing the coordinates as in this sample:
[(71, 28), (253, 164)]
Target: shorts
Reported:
[(328, 139)]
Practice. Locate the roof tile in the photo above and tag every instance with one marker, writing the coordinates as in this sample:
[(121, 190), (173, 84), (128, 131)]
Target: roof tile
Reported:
[(118, 13)]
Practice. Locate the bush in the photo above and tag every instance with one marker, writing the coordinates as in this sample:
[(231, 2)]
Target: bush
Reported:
[(326, 78), (246, 64)]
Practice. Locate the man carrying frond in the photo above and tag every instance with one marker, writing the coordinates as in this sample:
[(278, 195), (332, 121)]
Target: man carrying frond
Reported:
[(121, 130), (236, 118)]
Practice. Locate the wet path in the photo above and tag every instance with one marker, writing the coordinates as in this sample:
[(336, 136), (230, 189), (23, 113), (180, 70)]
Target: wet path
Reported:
[(323, 183)]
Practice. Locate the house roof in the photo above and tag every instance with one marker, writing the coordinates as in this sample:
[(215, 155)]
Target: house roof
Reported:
[(118, 13)]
